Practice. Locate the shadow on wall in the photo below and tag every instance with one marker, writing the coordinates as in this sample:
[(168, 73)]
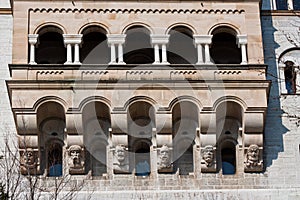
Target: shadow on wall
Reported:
[(274, 129)]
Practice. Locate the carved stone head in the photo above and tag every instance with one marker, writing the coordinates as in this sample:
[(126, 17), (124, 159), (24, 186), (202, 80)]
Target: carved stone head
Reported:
[(164, 156), (75, 156), (208, 155), (29, 157)]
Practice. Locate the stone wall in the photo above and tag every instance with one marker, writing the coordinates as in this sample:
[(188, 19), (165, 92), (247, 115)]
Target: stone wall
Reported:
[(6, 118)]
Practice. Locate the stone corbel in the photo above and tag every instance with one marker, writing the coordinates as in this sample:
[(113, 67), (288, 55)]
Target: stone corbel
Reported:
[(208, 142), (165, 160), (253, 158), (76, 154), (29, 161), (120, 159)]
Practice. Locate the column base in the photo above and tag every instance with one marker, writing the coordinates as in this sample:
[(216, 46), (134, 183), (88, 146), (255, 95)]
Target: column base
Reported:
[(244, 63), (32, 63), (68, 63)]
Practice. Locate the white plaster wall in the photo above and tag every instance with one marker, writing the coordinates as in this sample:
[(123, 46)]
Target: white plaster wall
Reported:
[(6, 118)]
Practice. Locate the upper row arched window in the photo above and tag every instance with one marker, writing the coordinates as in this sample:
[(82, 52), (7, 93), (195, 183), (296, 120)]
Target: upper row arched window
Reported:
[(92, 48)]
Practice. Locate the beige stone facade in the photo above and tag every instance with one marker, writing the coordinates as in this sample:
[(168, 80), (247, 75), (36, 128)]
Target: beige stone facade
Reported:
[(132, 112)]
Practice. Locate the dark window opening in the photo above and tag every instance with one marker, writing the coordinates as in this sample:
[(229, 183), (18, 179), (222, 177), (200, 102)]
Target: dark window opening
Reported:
[(98, 162), (142, 160), (181, 49), (51, 49), (55, 160), (282, 4), (94, 48), (138, 48), (228, 161), (296, 4), (290, 77), (185, 162), (224, 49)]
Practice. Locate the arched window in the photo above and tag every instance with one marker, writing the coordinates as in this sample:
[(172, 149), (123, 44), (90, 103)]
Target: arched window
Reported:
[(229, 123), (224, 48), (51, 120), (94, 48), (289, 69), (96, 122), (138, 48), (51, 49), (141, 121), (181, 49), (185, 122)]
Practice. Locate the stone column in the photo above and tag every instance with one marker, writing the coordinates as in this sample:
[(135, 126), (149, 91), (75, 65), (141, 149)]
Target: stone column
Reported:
[(157, 41), (32, 40), (290, 5), (242, 42), (114, 40), (71, 40), (76, 56), (199, 41)]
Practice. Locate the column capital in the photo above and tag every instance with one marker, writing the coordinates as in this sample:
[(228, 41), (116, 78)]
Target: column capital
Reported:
[(116, 38), (159, 39), (33, 38), (202, 39), (242, 39), (72, 38)]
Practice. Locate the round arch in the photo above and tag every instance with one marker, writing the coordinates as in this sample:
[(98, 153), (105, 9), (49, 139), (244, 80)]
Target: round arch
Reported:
[(224, 27), (181, 24), (137, 24), (185, 98), (94, 24), (51, 25), (135, 99), (234, 99), (90, 99), (47, 99)]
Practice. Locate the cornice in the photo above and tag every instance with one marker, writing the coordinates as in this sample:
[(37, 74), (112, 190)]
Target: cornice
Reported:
[(138, 11), (5, 11)]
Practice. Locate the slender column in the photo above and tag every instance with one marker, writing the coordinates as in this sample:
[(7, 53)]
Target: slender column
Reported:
[(112, 54), (76, 56), (113, 40), (71, 40), (244, 54), (32, 39), (200, 54), (290, 5), (164, 54), (120, 55), (32, 54), (199, 41), (156, 54), (69, 54), (157, 41), (274, 5), (207, 55), (242, 42)]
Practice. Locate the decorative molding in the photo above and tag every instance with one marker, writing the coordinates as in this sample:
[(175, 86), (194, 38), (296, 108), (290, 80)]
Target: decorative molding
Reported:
[(228, 72), (140, 11)]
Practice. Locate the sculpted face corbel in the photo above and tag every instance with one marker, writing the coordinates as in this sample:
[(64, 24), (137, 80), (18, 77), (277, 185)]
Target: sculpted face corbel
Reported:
[(253, 161), (76, 159)]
